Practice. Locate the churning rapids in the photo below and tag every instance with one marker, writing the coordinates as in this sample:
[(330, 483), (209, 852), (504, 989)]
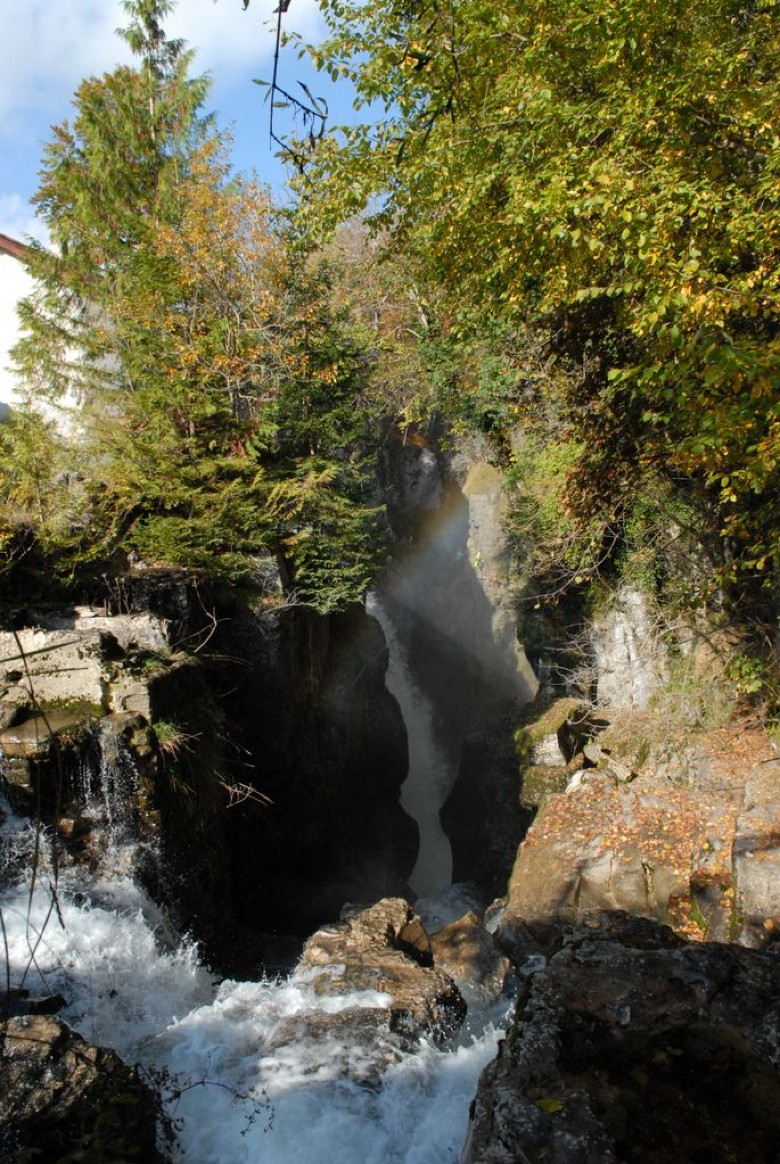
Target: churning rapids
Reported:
[(133, 985)]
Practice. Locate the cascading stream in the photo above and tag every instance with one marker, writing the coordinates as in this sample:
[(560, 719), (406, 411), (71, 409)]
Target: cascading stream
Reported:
[(232, 1091)]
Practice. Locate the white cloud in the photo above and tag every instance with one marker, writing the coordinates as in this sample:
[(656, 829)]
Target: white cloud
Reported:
[(18, 220), (53, 44), (227, 37)]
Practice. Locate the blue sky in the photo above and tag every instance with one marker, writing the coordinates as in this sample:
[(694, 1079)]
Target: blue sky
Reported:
[(51, 45)]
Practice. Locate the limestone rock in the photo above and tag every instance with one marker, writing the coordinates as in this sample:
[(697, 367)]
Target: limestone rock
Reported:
[(59, 1094), (57, 665), (466, 951), (132, 632), (631, 660), (364, 953), (702, 855), (633, 1045)]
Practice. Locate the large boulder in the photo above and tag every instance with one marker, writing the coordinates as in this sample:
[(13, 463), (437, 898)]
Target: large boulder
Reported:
[(384, 948), (687, 835), (633, 1045), (466, 951), (60, 1095)]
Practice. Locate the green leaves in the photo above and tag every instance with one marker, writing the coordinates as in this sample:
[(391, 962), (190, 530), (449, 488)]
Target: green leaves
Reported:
[(608, 179), (214, 393)]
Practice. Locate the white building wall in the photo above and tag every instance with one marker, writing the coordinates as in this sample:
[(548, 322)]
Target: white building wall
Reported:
[(15, 284)]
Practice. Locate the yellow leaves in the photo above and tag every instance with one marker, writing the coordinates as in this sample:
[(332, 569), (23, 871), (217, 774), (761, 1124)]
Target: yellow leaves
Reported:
[(329, 374), (700, 304), (550, 1106)]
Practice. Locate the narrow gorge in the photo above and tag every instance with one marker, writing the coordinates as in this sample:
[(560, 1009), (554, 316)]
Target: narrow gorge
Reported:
[(191, 789), (211, 784)]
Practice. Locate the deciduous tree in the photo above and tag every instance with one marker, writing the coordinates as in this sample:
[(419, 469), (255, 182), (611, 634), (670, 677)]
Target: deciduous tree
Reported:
[(607, 176)]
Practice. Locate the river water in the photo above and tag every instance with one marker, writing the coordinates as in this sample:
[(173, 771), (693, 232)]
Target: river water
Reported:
[(134, 985)]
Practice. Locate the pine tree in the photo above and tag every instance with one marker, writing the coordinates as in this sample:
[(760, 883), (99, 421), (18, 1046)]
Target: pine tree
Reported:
[(105, 180), (215, 399)]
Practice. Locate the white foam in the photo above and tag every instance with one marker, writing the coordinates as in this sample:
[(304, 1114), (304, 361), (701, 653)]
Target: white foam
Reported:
[(234, 1090)]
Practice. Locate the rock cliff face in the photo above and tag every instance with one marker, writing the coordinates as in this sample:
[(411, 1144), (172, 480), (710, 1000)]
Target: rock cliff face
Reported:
[(685, 832), (631, 1041), (326, 743), (262, 755), (632, 1045)]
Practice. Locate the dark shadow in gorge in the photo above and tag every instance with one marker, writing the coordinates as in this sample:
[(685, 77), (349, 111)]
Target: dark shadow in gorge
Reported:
[(436, 598)]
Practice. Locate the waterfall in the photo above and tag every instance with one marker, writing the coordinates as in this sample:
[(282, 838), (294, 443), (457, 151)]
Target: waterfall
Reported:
[(430, 777), (110, 785)]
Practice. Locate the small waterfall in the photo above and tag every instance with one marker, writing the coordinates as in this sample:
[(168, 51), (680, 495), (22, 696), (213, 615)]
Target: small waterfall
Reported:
[(429, 777), (109, 786)]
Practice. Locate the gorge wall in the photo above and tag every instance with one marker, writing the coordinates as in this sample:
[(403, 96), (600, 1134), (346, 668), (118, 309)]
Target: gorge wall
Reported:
[(265, 767), (447, 607)]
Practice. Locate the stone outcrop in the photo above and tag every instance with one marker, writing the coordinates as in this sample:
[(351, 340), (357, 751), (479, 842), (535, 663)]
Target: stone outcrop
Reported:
[(60, 1095), (629, 653), (84, 662), (632, 1044), (466, 951), (384, 948), (687, 834)]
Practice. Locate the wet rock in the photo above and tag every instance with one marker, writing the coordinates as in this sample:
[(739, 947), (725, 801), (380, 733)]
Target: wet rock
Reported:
[(632, 1045), (32, 738), (364, 953), (466, 951), (18, 1001), (59, 1094), (413, 939)]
